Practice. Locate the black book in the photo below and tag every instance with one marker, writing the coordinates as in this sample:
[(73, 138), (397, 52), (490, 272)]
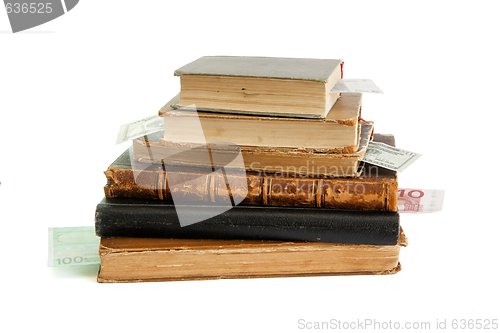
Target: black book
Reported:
[(139, 218)]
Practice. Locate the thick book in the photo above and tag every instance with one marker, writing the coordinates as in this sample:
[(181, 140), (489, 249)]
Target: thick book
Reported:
[(139, 218), (291, 87), (338, 131), (375, 189), (300, 162), (153, 259)]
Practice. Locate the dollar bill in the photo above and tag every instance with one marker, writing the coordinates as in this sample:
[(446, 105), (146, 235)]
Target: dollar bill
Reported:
[(73, 246), (356, 86), (414, 200), (389, 157), (140, 128)]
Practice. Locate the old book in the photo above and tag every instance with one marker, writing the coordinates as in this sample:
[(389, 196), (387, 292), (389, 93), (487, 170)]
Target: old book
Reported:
[(139, 218), (291, 161), (261, 85), (153, 259), (339, 131), (375, 189)]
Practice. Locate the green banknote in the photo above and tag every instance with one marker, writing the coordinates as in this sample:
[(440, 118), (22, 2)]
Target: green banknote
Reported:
[(73, 246)]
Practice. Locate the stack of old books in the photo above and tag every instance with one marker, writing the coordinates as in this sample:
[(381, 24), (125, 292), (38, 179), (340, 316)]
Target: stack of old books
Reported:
[(258, 173)]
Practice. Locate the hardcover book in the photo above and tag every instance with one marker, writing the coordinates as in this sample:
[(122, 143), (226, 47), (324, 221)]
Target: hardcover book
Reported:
[(293, 161), (290, 87), (139, 218), (375, 189), (338, 132), (154, 259)]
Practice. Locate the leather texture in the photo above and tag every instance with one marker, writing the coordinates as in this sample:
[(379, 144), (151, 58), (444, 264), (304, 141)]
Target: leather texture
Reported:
[(137, 218), (375, 189)]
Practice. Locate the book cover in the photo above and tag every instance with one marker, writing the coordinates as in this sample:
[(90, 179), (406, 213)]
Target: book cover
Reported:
[(375, 189), (262, 67), (152, 259), (287, 87), (292, 161), (139, 218), (337, 132)]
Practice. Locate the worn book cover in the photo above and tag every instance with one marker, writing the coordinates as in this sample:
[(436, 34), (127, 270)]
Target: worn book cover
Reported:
[(337, 132), (139, 218), (290, 87), (292, 161), (375, 189), (307, 69), (154, 259)]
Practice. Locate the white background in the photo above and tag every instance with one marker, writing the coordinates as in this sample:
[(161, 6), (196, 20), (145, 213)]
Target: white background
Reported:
[(67, 86)]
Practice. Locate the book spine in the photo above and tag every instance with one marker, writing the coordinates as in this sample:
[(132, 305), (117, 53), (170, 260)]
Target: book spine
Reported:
[(375, 193), (123, 183), (247, 222)]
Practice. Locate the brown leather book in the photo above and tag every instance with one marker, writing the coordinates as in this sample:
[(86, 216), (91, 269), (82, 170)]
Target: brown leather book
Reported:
[(156, 259), (375, 189)]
